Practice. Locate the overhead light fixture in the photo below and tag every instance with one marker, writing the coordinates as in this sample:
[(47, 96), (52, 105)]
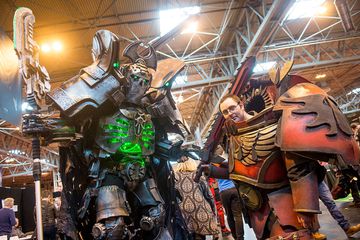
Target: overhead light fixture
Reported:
[(45, 48), (10, 160), (55, 46), (320, 76), (170, 18), (305, 9)]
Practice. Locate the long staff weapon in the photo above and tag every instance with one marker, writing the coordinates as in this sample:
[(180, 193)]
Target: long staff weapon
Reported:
[(36, 80)]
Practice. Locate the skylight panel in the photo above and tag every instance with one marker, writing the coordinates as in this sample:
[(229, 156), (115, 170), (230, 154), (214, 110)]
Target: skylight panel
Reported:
[(170, 18), (305, 9)]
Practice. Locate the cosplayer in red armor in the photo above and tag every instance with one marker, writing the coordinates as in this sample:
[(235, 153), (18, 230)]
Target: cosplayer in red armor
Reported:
[(273, 153)]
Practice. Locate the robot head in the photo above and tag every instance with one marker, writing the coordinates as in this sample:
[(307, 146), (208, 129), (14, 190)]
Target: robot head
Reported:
[(138, 80), (137, 73)]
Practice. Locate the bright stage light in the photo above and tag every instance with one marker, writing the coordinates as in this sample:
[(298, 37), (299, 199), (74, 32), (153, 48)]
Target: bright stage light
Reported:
[(319, 76), (57, 46), (46, 48)]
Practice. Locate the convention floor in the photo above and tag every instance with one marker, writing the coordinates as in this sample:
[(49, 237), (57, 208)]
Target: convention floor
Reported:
[(328, 225)]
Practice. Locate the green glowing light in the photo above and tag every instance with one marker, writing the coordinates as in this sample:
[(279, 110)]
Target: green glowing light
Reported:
[(113, 140), (146, 139), (122, 121), (116, 64), (148, 126), (130, 148), (167, 84), (149, 133)]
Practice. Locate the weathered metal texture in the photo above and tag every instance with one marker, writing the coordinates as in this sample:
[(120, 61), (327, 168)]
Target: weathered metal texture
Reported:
[(312, 122), (282, 203), (255, 159)]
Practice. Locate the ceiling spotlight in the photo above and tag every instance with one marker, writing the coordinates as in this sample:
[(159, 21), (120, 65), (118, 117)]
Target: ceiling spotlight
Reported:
[(45, 48), (57, 46), (319, 76)]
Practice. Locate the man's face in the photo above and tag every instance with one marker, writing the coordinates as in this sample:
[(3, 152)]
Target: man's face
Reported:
[(232, 110)]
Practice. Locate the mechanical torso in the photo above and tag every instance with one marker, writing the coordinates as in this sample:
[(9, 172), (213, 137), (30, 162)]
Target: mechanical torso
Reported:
[(127, 138)]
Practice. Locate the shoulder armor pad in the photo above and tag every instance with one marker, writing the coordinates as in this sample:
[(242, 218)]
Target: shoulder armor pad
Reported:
[(86, 92)]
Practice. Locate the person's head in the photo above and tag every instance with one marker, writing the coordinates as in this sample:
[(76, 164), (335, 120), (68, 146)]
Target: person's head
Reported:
[(8, 202), (232, 107), (354, 126)]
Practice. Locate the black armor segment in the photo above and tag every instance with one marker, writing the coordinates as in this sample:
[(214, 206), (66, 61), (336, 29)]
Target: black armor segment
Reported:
[(111, 202), (147, 193)]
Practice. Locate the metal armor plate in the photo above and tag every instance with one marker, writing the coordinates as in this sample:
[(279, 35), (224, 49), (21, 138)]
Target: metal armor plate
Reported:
[(312, 122), (255, 159)]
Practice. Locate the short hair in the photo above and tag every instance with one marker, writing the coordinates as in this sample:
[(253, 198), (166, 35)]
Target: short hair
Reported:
[(8, 202), (232, 96)]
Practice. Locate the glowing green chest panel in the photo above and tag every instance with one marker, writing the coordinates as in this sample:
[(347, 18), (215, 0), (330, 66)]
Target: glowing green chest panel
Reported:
[(129, 133)]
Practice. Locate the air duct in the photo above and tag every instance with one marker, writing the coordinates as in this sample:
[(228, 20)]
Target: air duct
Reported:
[(343, 11)]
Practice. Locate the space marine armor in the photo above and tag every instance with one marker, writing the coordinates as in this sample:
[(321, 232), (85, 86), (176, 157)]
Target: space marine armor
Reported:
[(274, 155), (112, 125)]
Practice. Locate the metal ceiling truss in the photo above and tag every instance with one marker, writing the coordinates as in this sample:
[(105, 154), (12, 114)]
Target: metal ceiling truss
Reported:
[(349, 102), (15, 156), (270, 38)]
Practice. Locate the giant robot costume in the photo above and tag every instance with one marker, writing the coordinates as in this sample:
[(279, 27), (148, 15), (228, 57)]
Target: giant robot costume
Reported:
[(113, 133), (274, 155)]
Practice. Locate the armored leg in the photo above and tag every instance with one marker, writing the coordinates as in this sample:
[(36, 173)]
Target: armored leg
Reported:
[(111, 208), (153, 213), (304, 186)]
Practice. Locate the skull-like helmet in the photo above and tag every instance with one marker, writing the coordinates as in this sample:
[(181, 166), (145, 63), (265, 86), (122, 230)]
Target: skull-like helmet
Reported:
[(137, 74)]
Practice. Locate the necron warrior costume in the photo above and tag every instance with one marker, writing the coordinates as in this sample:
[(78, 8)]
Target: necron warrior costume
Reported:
[(113, 134), (274, 155)]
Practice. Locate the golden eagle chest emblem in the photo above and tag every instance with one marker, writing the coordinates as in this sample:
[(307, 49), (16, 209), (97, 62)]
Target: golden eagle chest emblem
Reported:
[(255, 146)]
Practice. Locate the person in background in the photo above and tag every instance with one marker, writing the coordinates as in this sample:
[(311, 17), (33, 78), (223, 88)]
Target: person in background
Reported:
[(355, 127), (225, 232), (231, 200), (326, 197), (48, 216), (197, 205), (232, 204), (7, 217)]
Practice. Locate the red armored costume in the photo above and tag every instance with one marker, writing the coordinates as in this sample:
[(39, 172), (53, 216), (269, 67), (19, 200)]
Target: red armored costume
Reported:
[(274, 155)]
